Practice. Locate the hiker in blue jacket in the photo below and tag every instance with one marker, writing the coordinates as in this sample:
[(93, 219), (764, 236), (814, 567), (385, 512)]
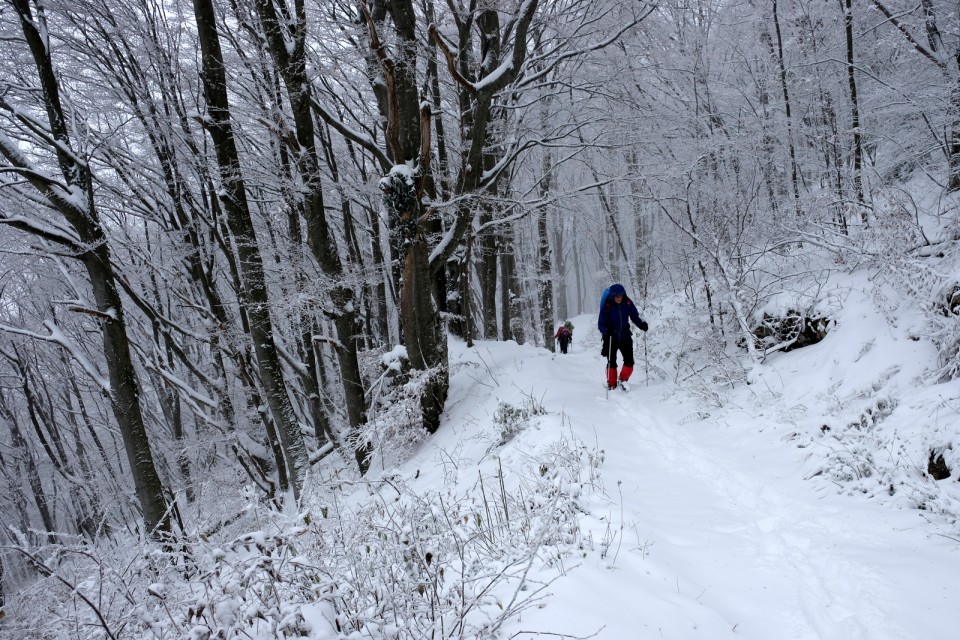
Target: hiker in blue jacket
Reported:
[(616, 312)]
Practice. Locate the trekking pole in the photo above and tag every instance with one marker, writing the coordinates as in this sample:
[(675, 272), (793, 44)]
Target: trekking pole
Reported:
[(646, 362), (606, 366)]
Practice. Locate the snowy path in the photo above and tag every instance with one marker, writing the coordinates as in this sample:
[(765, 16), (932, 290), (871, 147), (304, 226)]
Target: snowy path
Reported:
[(718, 535)]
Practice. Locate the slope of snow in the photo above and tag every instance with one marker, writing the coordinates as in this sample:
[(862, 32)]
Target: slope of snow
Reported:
[(745, 519), (785, 501)]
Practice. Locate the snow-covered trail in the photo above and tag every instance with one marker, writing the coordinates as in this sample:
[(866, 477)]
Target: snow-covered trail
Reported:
[(713, 533)]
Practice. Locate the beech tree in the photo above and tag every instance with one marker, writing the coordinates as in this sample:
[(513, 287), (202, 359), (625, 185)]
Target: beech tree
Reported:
[(47, 143), (284, 27), (922, 27), (251, 264)]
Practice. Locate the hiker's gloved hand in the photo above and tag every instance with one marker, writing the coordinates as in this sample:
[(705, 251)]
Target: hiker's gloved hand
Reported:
[(643, 325), (605, 349)]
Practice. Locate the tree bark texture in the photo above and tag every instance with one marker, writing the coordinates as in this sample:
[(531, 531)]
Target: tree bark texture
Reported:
[(854, 112), (96, 258), (423, 331), (282, 28), (254, 291), (545, 254), (787, 106)]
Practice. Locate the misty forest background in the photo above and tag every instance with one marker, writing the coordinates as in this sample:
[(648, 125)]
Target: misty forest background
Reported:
[(218, 221)]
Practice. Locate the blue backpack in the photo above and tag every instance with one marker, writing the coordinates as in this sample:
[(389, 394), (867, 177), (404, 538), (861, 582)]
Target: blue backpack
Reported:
[(603, 298)]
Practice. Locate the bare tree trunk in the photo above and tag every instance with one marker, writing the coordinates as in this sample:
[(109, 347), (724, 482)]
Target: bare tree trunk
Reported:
[(559, 243), (82, 410), (642, 228), (286, 36), (545, 263), (254, 292), (847, 9), (794, 174), (95, 256), (42, 418), (33, 476), (489, 248), (615, 244), (302, 321), (423, 331), (578, 265), (167, 395), (382, 295), (425, 339), (834, 156), (466, 290), (12, 475), (453, 304), (477, 103), (510, 320), (92, 523), (442, 179), (953, 182), (610, 236)]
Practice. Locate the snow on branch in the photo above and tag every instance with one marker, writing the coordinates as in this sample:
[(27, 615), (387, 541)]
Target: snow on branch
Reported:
[(64, 198), (448, 54), (42, 133), (926, 53), (156, 316), (295, 363), (392, 129), (513, 151), (318, 339), (555, 60), (353, 135), (48, 231), (505, 73), (193, 397), (56, 336), (96, 313)]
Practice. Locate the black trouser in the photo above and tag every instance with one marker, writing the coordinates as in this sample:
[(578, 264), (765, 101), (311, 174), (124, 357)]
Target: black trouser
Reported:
[(563, 340), (623, 345)]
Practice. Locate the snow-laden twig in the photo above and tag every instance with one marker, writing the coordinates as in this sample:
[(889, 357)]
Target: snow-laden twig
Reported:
[(56, 336)]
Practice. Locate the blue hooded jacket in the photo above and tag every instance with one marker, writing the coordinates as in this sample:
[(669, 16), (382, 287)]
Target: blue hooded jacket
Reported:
[(615, 318)]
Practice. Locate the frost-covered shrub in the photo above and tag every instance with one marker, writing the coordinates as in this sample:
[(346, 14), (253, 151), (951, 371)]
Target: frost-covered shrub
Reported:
[(511, 419), (453, 565), (90, 590), (927, 276), (396, 565), (394, 424), (946, 323), (881, 451), (791, 330), (693, 352), (938, 296)]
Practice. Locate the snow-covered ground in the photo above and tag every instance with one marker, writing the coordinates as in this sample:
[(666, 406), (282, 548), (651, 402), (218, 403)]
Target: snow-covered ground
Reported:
[(788, 500), (773, 512)]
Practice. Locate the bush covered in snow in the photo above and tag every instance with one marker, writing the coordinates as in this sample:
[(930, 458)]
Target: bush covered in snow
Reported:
[(402, 565)]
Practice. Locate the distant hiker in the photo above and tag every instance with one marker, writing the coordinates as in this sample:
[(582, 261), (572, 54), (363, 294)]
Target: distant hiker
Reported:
[(616, 312), (563, 337)]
